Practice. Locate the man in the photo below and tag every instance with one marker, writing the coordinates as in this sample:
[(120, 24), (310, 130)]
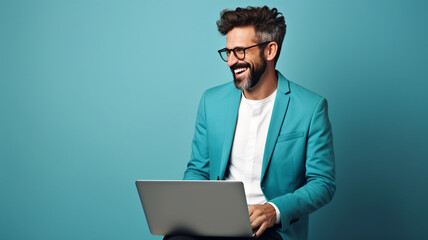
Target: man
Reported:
[(264, 130)]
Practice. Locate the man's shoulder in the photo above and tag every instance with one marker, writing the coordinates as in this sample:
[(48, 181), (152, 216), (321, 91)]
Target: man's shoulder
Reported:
[(295, 91), (298, 91)]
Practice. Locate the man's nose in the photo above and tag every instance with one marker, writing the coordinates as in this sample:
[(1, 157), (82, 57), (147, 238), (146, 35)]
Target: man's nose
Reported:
[(231, 60)]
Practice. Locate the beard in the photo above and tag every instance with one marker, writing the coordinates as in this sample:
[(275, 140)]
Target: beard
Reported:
[(255, 74)]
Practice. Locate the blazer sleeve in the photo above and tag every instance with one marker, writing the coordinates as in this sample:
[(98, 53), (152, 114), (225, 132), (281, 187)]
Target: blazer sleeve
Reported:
[(198, 167), (320, 171)]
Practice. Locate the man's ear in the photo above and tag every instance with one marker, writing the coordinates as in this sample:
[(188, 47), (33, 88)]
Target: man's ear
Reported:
[(271, 51)]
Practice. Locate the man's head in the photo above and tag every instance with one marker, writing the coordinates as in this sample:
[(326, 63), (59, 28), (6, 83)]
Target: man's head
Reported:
[(263, 30)]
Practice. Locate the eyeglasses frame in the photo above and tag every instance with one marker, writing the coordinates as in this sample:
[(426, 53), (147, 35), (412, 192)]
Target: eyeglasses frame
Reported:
[(243, 49)]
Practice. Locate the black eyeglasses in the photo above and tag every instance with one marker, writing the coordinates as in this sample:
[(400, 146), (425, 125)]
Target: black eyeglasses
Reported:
[(239, 52)]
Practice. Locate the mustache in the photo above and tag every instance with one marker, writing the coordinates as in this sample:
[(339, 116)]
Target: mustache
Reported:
[(240, 65)]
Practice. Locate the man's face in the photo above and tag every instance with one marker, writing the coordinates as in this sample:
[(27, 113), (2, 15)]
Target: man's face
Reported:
[(246, 72)]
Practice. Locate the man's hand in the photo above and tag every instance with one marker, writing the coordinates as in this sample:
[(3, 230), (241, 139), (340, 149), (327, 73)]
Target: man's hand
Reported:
[(262, 217)]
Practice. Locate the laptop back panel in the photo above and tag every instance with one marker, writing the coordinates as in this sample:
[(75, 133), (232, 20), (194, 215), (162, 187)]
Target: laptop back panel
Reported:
[(199, 208)]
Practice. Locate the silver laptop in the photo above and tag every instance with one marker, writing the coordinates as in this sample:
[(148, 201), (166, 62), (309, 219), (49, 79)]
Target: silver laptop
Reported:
[(198, 208)]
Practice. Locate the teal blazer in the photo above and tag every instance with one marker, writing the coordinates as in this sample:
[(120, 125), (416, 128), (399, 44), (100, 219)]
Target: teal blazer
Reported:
[(298, 170)]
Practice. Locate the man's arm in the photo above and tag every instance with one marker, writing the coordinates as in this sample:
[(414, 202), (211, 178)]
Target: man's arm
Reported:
[(320, 172), (198, 167)]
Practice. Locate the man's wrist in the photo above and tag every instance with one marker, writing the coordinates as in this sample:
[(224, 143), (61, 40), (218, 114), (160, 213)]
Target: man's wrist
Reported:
[(278, 214)]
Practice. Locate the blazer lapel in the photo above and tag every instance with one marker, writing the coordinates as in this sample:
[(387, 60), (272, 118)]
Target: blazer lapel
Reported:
[(231, 108), (278, 113)]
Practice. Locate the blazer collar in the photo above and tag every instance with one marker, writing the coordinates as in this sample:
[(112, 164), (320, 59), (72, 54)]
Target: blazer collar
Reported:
[(231, 107), (278, 114)]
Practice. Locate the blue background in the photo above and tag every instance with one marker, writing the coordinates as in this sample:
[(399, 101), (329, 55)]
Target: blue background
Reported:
[(97, 94)]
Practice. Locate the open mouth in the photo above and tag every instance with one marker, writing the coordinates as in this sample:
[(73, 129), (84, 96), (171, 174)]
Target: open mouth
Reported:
[(239, 71)]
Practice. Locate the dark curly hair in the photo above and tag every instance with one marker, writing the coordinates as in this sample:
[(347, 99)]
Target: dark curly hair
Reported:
[(269, 24)]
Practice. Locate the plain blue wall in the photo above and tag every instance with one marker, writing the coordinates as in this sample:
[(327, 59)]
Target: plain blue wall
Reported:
[(97, 94)]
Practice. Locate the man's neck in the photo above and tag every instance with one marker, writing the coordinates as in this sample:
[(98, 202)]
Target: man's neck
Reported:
[(265, 87)]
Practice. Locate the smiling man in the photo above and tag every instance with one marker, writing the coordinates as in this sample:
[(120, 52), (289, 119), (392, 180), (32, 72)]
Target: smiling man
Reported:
[(263, 130)]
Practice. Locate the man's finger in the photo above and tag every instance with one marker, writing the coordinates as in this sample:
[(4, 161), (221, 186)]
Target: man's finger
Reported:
[(261, 230), (257, 222)]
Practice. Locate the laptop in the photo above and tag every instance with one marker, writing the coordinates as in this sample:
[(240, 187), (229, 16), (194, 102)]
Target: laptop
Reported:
[(197, 208)]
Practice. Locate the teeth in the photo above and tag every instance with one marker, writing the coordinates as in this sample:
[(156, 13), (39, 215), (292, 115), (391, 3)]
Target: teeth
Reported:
[(239, 70)]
